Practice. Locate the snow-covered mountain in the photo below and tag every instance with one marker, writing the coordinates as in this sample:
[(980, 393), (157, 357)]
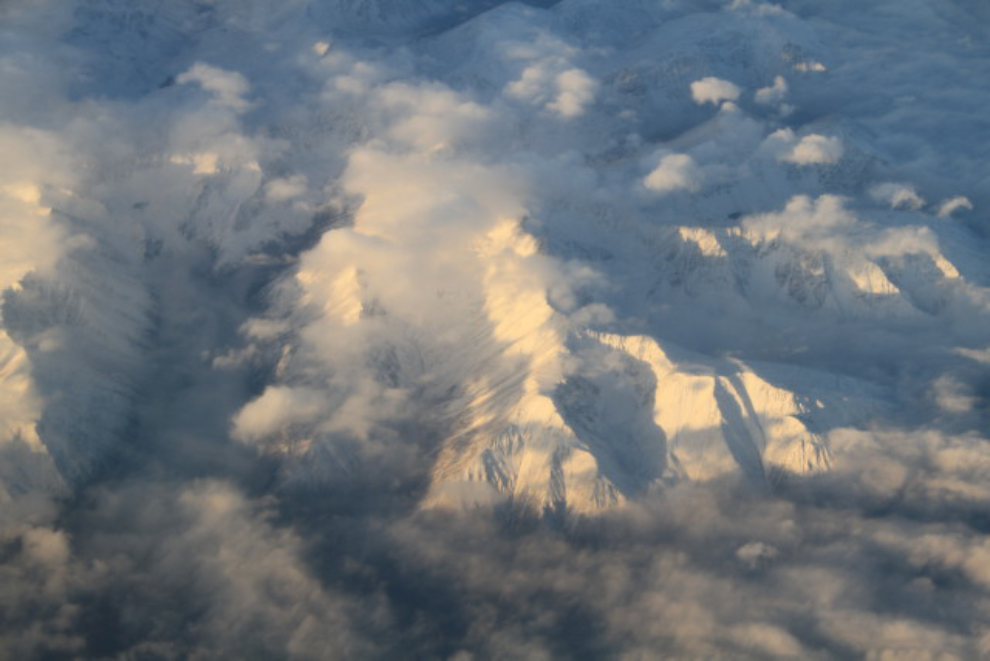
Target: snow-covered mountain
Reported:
[(533, 194), (574, 266), (482, 329)]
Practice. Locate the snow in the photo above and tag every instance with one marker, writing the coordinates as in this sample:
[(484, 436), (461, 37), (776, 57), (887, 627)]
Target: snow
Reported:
[(449, 259)]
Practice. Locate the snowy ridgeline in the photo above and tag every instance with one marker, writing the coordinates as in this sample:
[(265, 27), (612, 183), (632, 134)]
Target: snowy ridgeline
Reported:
[(565, 253)]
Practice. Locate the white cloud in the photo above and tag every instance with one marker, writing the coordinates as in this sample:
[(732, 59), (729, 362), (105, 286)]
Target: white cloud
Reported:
[(755, 8), (575, 90), (714, 90), (275, 410), (285, 188), (898, 196), (756, 554), (953, 396), (429, 117), (774, 93), (950, 206), (228, 88), (813, 67), (566, 93), (674, 172), (812, 149), (803, 216)]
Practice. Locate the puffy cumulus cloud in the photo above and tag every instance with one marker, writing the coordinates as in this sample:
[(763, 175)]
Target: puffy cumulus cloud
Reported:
[(575, 90), (285, 188), (717, 571), (209, 139), (714, 90), (774, 93), (674, 172), (228, 88), (803, 217), (812, 149), (550, 80), (209, 573), (258, 594), (933, 474), (815, 149), (755, 554), (40, 577), (429, 117), (276, 409)]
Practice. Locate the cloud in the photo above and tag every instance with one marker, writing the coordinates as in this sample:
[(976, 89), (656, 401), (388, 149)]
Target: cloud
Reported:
[(898, 196), (674, 172), (950, 206), (803, 216), (815, 149), (276, 409), (287, 188), (228, 88), (566, 93), (429, 117), (812, 149), (255, 587), (774, 93), (756, 8), (34, 238), (714, 90), (39, 577), (575, 90)]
